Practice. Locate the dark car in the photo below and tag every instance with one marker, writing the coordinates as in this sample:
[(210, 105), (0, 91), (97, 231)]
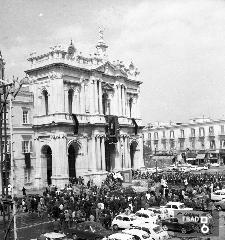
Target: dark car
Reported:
[(89, 230), (174, 225), (220, 205)]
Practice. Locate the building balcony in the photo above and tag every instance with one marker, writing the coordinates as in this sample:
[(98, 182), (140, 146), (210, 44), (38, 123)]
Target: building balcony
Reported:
[(83, 119), (200, 138), (221, 135), (192, 138), (181, 139)]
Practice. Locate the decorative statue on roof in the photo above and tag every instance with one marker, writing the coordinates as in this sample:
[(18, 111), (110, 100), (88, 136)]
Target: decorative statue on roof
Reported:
[(71, 50)]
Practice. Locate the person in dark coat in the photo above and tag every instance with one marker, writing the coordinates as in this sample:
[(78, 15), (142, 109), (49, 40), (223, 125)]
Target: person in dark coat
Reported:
[(24, 191)]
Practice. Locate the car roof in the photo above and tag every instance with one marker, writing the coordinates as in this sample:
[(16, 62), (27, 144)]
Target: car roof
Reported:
[(147, 225), (178, 203), (122, 235), (125, 215), (134, 231), (54, 235)]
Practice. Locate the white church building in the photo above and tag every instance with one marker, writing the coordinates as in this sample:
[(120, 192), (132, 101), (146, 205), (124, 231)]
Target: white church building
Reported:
[(85, 117)]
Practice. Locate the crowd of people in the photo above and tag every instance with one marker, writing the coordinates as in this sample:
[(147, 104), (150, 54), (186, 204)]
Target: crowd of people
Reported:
[(79, 202)]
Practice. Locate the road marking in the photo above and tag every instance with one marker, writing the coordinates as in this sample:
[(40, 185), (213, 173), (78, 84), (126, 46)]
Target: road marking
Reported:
[(36, 224)]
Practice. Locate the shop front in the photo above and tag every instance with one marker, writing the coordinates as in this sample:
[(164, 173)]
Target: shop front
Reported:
[(213, 156), (222, 156)]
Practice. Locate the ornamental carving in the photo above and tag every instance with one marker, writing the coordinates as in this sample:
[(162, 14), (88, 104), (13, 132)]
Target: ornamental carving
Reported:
[(55, 75)]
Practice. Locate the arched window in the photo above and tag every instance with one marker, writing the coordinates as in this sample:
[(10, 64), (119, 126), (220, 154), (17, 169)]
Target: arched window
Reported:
[(130, 106), (45, 95), (70, 100)]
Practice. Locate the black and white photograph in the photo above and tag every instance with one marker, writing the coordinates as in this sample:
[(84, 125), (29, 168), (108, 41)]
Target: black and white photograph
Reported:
[(112, 116)]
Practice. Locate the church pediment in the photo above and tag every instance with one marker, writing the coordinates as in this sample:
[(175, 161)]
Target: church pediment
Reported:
[(111, 70)]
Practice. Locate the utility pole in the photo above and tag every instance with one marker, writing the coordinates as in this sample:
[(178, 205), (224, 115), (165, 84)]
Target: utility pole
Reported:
[(8, 92), (12, 166)]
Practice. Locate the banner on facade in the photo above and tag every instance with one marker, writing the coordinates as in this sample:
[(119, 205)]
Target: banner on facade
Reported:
[(75, 124), (27, 160)]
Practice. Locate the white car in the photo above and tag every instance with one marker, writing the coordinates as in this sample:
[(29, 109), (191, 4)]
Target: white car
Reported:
[(154, 230), (174, 206), (147, 216), (218, 195), (160, 213), (120, 236), (172, 167), (194, 168), (123, 221), (202, 168), (214, 165), (54, 235), (184, 169), (138, 234)]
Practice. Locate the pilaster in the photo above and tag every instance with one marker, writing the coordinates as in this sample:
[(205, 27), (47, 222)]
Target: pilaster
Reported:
[(100, 96), (103, 153)]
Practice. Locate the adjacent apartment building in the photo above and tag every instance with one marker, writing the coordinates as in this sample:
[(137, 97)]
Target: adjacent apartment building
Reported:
[(201, 140)]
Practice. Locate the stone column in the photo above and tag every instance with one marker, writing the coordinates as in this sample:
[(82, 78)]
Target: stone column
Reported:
[(124, 101), (98, 155), (93, 164), (96, 96), (141, 158), (100, 96), (39, 183), (66, 109), (119, 101), (125, 152), (82, 102), (118, 156), (115, 101), (128, 153), (138, 107), (60, 175), (91, 96), (103, 153)]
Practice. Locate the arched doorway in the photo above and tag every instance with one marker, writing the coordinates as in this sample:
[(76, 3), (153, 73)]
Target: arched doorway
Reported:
[(133, 149), (73, 152), (110, 154), (47, 155)]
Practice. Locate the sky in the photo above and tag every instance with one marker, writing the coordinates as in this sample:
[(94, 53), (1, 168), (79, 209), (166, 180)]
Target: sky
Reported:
[(178, 46)]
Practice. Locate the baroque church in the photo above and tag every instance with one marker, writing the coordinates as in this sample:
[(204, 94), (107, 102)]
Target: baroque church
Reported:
[(85, 116)]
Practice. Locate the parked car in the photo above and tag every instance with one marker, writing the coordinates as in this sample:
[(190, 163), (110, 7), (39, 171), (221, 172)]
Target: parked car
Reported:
[(55, 236), (194, 168), (214, 165), (89, 230), (203, 167), (138, 234), (123, 221), (218, 195), (120, 236), (161, 213), (147, 216), (154, 230), (220, 205), (174, 225), (174, 206)]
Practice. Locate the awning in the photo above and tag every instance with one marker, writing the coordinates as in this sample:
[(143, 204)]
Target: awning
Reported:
[(200, 156)]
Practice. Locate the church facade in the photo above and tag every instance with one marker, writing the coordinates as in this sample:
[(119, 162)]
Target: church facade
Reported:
[(85, 115)]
